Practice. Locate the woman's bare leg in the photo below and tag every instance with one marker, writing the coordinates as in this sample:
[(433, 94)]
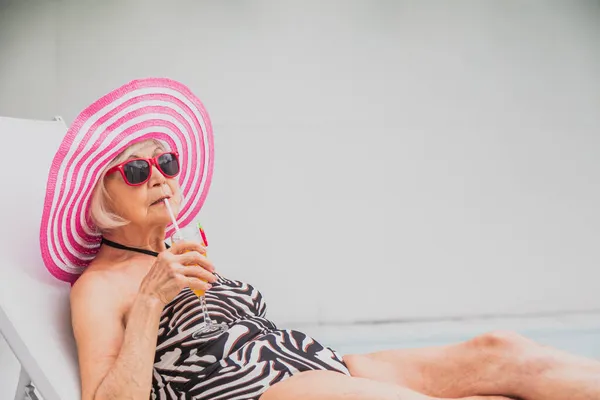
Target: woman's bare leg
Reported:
[(492, 364), (327, 385), (460, 370)]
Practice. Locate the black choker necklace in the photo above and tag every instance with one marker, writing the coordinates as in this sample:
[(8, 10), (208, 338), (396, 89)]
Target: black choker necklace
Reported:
[(123, 247)]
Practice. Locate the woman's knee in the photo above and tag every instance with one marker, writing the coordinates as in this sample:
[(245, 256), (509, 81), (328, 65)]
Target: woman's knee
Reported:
[(501, 340), (513, 352)]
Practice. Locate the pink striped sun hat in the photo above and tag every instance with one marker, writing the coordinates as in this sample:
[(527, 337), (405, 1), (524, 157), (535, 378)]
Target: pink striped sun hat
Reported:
[(153, 108)]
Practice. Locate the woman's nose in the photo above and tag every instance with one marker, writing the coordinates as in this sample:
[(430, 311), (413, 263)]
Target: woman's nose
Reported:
[(157, 178)]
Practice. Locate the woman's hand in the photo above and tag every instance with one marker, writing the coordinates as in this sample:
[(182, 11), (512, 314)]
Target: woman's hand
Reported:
[(183, 265)]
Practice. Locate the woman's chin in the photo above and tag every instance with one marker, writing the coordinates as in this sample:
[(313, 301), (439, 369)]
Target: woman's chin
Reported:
[(159, 214)]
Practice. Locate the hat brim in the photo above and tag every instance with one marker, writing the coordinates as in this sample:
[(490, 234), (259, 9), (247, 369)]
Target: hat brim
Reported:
[(153, 108)]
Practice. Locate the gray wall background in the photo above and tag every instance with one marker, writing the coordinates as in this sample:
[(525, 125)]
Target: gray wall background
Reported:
[(375, 160)]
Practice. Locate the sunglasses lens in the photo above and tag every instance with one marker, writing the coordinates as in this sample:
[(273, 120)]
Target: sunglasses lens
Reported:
[(136, 171), (168, 164)]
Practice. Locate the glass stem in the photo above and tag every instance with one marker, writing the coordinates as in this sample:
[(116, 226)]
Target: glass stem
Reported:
[(205, 310)]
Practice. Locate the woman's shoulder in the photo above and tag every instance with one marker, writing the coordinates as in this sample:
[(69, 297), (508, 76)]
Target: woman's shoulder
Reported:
[(101, 285), (93, 283)]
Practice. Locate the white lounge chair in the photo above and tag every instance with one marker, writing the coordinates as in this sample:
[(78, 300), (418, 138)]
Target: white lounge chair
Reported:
[(34, 306)]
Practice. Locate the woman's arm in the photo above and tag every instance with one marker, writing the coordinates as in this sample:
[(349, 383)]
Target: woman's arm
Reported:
[(115, 362)]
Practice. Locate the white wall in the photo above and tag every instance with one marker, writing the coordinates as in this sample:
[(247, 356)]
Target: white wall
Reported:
[(28, 64), (376, 160)]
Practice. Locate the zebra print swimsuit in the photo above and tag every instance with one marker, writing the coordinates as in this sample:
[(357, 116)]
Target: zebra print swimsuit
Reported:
[(243, 362)]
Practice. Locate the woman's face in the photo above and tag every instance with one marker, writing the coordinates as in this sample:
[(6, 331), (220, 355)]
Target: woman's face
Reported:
[(142, 205)]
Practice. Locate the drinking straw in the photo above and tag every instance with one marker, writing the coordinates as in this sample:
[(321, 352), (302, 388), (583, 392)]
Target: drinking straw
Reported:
[(166, 200)]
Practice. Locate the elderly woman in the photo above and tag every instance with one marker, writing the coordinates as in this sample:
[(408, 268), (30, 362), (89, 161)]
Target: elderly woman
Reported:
[(134, 312)]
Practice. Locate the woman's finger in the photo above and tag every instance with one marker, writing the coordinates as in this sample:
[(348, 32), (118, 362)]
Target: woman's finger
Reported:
[(195, 258), (197, 284), (194, 271), (184, 247)]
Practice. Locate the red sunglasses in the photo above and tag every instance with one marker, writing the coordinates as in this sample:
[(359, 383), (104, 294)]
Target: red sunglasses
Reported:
[(138, 171)]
